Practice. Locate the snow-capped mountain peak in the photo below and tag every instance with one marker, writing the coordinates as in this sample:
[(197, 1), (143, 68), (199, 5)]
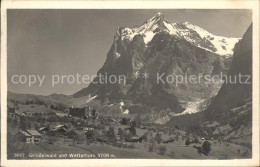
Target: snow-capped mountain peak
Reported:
[(217, 44), (158, 18), (192, 33), (149, 28)]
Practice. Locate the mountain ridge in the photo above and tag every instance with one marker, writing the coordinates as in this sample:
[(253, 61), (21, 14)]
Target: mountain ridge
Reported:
[(158, 46), (192, 33)]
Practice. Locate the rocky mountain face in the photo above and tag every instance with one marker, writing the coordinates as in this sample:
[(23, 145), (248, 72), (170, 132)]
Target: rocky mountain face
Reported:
[(160, 48), (234, 94), (232, 106), (231, 109)]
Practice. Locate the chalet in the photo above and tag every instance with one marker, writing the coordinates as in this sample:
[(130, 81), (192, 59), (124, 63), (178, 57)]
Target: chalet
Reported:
[(59, 130), (61, 115), (28, 136), (207, 138), (113, 120), (36, 136), (43, 130), (86, 129), (22, 136)]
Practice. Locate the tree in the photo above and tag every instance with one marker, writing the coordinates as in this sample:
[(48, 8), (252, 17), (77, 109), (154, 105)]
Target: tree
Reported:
[(158, 138), (171, 139), (13, 146), (52, 119), (100, 126), (238, 151), (200, 150), (245, 154), (176, 137), (52, 139), (90, 135), (170, 132), (124, 121), (36, 126), (206, 146), (187, 142), (15, 122), (188, 133), (52, 107), (128, 135), (111, 134), (25, 123), (119, 131), (48, 126), (122, 134), (22, 123), (132, 129), (132, 145), (133, 123), (172, 154), (196, 140), (29, 124), (162, 150), (151, 147)]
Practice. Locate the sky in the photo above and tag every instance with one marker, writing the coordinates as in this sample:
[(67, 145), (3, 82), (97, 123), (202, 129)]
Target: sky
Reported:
[(76, 41)]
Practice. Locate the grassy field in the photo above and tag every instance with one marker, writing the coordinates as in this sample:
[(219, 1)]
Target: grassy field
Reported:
[(121, 152), (175, 150)]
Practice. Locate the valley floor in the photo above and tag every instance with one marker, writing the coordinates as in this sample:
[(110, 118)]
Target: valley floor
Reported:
[(175, 150)]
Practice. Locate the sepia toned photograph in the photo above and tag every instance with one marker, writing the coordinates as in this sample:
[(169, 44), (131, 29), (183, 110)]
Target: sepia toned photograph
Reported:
[(155, 83)]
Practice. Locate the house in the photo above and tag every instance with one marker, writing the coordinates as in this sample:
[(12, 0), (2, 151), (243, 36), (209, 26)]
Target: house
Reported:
[(88, 129), (43, 130), (35, 136), (22, 136), (59, 130), (126, 112), (28, 136), (113, 120), (134, 139), (61, 115)]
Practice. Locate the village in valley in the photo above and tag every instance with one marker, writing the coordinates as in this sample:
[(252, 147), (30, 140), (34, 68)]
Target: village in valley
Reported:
[(38, 127)]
